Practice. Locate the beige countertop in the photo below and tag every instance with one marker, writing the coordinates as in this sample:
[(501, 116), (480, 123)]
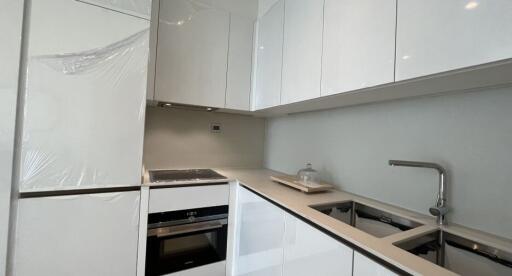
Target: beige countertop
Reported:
[(383, 248)]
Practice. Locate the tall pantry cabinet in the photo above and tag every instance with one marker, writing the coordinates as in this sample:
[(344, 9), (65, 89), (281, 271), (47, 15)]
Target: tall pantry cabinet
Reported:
[(82, 128)]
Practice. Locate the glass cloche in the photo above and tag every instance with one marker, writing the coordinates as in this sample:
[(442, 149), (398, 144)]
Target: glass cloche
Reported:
[(308, 174)]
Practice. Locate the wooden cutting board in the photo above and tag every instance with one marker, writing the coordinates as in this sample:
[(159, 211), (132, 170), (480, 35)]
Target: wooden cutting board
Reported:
[(294, 182)]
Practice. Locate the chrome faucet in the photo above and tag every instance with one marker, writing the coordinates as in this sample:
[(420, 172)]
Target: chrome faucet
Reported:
[(440, 209)]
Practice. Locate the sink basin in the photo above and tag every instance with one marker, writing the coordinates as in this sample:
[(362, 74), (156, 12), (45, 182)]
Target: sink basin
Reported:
[(368, 219), (460, 255)]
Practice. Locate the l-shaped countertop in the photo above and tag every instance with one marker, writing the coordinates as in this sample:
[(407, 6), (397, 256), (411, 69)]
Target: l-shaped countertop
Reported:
[(258, 180)]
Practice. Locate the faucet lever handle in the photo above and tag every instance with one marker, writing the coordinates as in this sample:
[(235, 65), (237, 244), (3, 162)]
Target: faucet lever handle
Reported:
[(438, 211)]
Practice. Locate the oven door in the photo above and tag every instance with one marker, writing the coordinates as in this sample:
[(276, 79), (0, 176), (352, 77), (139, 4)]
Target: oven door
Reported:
[(179, 247)]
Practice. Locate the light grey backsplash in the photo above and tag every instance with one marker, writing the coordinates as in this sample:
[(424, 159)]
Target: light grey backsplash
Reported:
[(470, 134), (182, 139)]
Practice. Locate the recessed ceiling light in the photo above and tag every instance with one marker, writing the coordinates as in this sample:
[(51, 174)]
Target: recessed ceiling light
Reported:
[(471, 5)]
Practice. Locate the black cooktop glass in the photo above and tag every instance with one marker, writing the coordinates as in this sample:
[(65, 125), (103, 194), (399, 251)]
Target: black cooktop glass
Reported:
[(184, 175)]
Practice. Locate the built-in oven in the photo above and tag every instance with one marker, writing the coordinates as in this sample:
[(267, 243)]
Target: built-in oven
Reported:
[(185, 239)]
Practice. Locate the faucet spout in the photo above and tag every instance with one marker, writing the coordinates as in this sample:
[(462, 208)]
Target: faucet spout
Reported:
[(439, 210)]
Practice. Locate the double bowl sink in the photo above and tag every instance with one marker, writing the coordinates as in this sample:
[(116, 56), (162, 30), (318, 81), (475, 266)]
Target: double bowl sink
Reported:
[(453, 252)]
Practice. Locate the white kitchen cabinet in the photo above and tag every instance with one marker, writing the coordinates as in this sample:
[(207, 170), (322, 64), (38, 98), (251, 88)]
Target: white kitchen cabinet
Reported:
[(83, 117), (192, 53), (139, 8), (183, 198), (77, 235), (269, 57), (308, 251), (238, 90), (436, 36), (358, 44), (11, 19), (214, 269), (259, 236), (302, 50), (363, 266)]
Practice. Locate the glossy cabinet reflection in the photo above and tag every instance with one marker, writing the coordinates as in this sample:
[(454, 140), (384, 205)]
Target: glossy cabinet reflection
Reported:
[(437, 36), (259, 236), (302, 50), (363, 266), (308, 251), (83, 117), (203, 53), (80, 235), (192, 52), (270, 241), (358, 44), (238, 87), (269, 57)]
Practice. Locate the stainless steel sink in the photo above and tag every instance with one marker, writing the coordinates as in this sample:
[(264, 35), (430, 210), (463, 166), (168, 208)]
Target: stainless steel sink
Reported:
[(460, 255), (371, 220)]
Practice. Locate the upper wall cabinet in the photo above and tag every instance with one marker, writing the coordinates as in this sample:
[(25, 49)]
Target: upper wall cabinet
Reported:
[(204, 53), (302, 50), (269, 57), (192, 52), (358, 44), (238, 87), (436, 36)]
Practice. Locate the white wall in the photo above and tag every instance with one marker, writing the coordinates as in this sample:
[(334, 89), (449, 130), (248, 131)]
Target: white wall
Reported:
[(11, 16), (182, 139), (470, 134)]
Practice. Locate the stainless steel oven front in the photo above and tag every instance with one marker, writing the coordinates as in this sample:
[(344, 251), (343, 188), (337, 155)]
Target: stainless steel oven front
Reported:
[(185, 239)]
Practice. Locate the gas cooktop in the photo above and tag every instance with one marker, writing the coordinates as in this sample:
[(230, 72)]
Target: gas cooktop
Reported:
[(184, 175)]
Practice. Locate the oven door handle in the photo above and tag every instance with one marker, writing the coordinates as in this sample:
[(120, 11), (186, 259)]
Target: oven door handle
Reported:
[(186, 228)]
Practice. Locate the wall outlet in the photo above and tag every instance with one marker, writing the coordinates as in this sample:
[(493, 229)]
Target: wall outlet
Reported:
[(215, 128)]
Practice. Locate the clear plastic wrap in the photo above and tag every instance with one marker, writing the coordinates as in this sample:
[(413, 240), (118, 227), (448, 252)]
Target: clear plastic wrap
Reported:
[(75, 229), (84, 117), (139, 8)]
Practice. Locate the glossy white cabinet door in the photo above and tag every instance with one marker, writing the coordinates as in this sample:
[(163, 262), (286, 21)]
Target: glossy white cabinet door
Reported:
[(192, 53), (359, 44), (308, 251), (436, 36), (363, 266), (11, 19), (258, 237), (138, 8), (269, 57), (302, 50), (238, 90), (79, 235), (85, 101)]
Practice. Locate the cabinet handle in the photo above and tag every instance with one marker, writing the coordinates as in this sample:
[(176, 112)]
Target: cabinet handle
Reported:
[(186, 228)]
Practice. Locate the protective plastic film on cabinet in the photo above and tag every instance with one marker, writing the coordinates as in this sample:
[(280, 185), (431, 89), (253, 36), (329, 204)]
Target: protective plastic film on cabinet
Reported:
[(84, 116), (52, 240), (139, 8)]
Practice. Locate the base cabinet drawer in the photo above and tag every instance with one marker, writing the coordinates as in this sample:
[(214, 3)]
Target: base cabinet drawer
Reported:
[(173, 199)]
